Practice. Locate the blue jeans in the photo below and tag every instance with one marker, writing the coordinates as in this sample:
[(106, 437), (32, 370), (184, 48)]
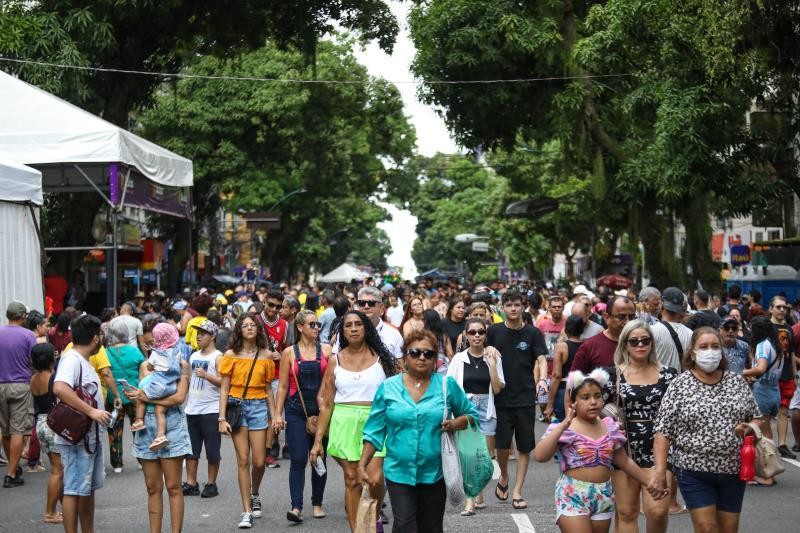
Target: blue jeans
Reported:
[(84, 472), (300, 443)]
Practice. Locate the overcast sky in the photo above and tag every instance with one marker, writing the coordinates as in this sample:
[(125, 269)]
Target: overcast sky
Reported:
[(432, 135)]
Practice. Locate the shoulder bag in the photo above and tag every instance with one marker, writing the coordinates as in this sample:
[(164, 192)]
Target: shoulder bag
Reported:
[(69, 423), (676, 340), (616, 410), (451, 464), (768, 460), (233, 410), (311, 421)]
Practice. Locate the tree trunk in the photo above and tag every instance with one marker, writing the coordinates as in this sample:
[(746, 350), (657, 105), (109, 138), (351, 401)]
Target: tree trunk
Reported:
[(658, 238), (698, 242)]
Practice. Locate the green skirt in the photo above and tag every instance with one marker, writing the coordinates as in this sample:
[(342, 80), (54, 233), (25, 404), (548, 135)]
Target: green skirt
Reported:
[(345, 440)]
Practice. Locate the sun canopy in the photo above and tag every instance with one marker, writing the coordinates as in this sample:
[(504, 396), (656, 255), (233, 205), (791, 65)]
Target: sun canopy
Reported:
[(19, 183), (344, 273), (40, 129)]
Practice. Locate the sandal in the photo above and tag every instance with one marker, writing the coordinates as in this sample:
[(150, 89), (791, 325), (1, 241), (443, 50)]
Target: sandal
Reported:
[(55, 518), (519, 504), (480, 504), (137, 425), (682, 510), (467, 512), (501, 489), (158, 443)]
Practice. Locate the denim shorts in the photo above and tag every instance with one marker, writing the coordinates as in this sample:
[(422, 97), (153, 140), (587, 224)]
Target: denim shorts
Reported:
[(83, 472), (255, 414), (703, 489), (768, 398), (481, 403), (177, 435)]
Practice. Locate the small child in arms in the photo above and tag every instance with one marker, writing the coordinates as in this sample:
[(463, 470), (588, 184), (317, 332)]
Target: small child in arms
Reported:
[(165, 364)]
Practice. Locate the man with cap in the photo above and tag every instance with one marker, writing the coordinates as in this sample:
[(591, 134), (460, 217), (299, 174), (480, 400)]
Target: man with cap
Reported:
[(670, 336), (16, 402), (202, 411), (577, 292), (734, 349)]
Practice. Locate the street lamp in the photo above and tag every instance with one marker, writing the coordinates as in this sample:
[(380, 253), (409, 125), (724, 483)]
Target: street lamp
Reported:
[(297, 191)]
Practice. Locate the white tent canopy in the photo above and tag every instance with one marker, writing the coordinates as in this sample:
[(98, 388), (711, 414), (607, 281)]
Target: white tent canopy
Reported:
[(344, 273), (20, 266), (38, 128)]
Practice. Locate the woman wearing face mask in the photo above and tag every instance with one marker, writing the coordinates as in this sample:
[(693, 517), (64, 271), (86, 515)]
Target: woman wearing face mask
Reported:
[(766, 370), (704, 416), (643, 381)]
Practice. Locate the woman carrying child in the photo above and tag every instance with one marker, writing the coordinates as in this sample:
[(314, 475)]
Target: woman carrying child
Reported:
[(587, 445)]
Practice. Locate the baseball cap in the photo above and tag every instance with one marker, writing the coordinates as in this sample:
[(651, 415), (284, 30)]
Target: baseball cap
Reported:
[(16, 310), (674, 300), (729, 320), (164, 336), (207, 326), (579, 289), (179, 305)]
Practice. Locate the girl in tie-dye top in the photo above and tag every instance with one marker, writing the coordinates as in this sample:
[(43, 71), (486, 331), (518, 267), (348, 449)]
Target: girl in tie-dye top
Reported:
[(587, 446)]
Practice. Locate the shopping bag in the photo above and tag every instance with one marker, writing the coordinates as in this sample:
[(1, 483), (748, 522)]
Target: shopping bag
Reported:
[(476, 463), (451, 465), (367, 516)]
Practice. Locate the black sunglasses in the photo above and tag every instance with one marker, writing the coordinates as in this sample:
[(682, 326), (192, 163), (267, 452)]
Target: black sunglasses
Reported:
[(636, 341), (474, 332), (416, 353), (367, 303), (314, 325), (731, 327), (273, 305)]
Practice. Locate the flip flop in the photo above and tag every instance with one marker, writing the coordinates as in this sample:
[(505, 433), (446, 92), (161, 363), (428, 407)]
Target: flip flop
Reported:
[(158, 443), (137, 426), (519, 503), (682, 510), (467, 512), (499, 489), (480, 505), (756, 483)]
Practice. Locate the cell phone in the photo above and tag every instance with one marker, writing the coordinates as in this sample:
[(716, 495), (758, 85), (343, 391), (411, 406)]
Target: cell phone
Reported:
[(223, 309), (125, 385)]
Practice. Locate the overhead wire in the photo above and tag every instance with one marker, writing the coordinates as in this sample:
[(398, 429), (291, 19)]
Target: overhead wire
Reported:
[(189, 75)]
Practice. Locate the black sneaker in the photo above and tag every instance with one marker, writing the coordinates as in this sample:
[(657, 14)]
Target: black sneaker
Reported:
[(191, 490), (255, 505), (209, 490), (11, 482), (786, 452)]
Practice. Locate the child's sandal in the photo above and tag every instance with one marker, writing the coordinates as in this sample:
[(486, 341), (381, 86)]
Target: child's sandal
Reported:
[(158, 443), (137, 425)]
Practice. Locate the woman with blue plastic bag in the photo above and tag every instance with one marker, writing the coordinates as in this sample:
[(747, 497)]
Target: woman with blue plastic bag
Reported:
[(479, 371), (408, 412)]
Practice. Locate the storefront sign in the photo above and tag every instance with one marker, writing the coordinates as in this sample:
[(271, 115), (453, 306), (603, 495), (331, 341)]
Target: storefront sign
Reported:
[(740, 255)]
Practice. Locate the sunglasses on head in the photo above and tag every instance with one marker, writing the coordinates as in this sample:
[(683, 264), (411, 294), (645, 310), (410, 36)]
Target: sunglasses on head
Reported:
[(474, 332), (367, 303), (639, 341), (416, 353)]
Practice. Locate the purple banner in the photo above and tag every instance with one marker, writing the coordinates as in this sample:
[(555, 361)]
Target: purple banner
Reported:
[(141, 192)]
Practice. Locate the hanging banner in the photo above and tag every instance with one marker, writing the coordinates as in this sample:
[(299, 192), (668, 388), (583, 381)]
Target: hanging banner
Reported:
[(740, 255)]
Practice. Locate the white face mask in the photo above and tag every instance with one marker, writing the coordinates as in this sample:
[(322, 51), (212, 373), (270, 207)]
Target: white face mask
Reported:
[(707, 360)]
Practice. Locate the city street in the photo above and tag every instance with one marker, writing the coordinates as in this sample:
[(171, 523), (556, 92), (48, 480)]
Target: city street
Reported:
[(121, 505)]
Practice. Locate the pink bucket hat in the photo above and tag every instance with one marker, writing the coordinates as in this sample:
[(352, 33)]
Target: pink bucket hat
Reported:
[(164, 336)]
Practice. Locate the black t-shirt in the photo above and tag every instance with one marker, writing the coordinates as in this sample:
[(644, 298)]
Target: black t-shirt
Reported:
[(453, 330), (786, 341), (476, 376), (519, 349)]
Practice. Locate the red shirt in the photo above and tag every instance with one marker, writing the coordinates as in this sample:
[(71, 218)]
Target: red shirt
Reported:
[(276, 335), (597, 352), (56, 288)]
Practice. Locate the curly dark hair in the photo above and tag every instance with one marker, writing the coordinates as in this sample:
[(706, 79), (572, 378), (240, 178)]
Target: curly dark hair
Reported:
[(237, 341), (761, 329), (372, 339)]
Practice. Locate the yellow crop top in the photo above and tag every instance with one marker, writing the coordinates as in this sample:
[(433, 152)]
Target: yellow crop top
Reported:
[(238, 368)]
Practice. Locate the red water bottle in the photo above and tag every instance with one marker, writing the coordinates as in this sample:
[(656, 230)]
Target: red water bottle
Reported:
[(748, 469)]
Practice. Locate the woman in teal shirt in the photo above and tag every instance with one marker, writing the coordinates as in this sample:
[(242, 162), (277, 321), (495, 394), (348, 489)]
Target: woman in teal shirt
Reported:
[(407, 415), (125, 360)]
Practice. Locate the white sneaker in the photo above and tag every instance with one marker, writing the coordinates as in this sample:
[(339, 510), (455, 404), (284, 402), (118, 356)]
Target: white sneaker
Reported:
[(118, 470), (246, 522), (255, 505)]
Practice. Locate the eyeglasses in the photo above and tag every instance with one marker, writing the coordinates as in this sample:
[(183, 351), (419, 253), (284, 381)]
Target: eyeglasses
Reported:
[(314, 325), (367, 303), (416, 353), (625, 318), (474, 332), (273, 305), (639, 341), (731, 328)]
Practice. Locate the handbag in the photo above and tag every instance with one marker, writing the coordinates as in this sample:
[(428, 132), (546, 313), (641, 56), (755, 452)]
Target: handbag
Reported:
[(616, 410), (451, 464), (70, 424), (768, 460), (311, 421), (233, 411)]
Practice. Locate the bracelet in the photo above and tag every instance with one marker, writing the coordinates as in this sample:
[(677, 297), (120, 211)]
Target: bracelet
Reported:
[(221, 419)]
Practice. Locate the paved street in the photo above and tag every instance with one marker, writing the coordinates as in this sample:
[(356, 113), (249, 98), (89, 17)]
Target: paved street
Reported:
[(121, 505)]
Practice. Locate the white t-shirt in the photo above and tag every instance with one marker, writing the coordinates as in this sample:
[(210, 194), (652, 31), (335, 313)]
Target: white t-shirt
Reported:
[(666, 351), (70, 366), (203, 395), (132, 324), (395, 315), (592, 328)]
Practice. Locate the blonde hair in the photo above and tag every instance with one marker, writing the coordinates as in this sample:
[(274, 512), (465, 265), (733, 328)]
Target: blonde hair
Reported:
[(621, 356)]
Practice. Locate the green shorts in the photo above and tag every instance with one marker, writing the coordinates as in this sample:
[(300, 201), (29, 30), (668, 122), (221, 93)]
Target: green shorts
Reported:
[(347, 431)]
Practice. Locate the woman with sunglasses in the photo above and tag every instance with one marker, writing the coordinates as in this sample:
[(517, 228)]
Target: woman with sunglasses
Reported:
[(643, 381), (351, 379), (252, 390), (479, 371), (303, 366), (407, 414)]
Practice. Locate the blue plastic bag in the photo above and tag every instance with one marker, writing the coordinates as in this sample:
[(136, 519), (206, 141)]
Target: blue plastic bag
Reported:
[(476, 463)]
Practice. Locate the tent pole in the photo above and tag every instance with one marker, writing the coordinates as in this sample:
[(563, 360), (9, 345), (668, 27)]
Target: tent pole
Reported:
[(111, 283), (42, 252), (82, 173)]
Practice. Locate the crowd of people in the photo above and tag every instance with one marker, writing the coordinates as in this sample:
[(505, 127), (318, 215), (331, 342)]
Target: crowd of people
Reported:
[(362, 374)]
